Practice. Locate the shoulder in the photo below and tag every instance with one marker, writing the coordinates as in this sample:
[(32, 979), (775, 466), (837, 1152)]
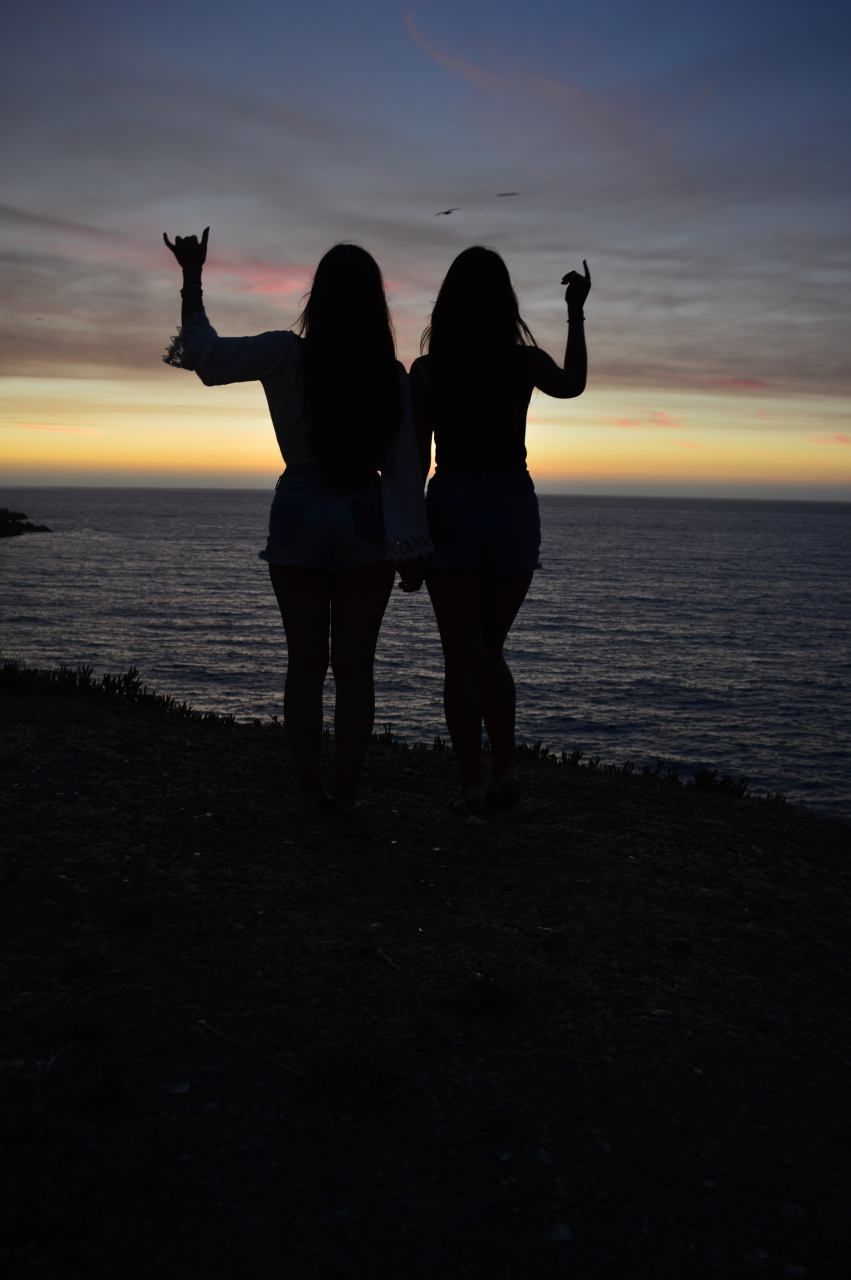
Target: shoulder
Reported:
[(536, 361), (283, 340), (288, 344)]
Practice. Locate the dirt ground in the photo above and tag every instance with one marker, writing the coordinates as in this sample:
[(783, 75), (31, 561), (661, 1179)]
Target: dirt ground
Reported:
[(604, 1035)]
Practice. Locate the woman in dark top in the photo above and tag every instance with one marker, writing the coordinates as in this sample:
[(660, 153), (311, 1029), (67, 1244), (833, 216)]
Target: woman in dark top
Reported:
[(471, 392)]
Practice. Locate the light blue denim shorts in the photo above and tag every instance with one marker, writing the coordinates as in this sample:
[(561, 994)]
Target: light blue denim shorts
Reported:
[(483, 522), (316, 527)]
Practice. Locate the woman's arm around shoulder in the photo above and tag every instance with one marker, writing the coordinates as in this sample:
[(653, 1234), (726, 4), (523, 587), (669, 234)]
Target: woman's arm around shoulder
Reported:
[(569, 381), (198, 347)]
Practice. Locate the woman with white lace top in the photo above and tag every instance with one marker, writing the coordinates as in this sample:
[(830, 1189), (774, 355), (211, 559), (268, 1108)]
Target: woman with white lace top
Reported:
[(340, 407)]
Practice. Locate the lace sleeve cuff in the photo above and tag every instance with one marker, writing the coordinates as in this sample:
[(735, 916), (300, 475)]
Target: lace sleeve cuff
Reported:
[(192, 344)]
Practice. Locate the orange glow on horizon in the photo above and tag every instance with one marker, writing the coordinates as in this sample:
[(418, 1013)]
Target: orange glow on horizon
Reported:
[(167, 428)]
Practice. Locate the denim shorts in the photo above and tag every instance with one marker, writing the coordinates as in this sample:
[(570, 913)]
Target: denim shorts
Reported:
[(316, 527), (484, 522)]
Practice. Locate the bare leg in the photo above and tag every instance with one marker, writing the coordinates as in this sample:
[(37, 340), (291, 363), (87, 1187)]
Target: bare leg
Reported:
[(502, 597), (358, 600), (457, 601), (304, 598)]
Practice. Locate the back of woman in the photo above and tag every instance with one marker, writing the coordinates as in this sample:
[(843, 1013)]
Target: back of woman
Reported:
[(340, 406), (479, 410), (471, 393)]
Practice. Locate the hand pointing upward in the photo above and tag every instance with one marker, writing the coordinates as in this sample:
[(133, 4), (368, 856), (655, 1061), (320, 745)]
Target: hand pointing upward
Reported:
[(578, 288)]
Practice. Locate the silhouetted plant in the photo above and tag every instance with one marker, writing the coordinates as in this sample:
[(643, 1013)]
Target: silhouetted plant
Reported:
[(127, 687), (538, 751), (711, 780)]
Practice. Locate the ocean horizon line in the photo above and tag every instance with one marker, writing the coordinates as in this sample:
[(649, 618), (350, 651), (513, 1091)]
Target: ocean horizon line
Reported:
[(595, 496)]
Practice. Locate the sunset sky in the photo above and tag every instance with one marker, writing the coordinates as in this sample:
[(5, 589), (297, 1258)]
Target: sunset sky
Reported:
[(696, 155)]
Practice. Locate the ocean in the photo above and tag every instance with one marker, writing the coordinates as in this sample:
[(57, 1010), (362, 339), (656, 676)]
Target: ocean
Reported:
[(693, 632)]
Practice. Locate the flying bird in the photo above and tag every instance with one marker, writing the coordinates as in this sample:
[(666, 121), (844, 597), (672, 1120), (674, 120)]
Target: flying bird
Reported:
[(501, 195), (444, 213)]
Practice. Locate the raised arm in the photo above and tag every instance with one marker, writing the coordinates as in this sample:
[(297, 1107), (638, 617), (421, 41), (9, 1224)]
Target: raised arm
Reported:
[(191, 256), (570, 380), (198, 347)]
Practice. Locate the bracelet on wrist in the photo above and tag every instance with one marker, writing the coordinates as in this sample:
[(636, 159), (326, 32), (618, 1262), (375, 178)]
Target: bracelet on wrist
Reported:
[(580, 315)]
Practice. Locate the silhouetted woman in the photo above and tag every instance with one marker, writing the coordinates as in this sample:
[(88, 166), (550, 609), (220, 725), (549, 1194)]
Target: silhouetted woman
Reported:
[(471, 392), (339, 402)]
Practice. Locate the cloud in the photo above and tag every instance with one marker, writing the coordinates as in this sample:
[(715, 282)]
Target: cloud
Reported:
[(839, 438), (655, 419), (39, 236), (589, 116), (477, 76), (740, 384), (264, 278), (30, 219)]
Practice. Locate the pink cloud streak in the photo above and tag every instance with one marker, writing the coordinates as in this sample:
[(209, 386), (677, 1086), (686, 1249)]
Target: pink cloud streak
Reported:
[(654, 419), (260, 277), (839, 438)]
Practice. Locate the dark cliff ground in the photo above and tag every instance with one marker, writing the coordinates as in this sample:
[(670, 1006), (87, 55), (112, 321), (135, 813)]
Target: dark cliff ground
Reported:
[(604, 1035)]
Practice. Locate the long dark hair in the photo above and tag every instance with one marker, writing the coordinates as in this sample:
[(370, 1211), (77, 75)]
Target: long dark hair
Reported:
[(351, 379), (476, 310)]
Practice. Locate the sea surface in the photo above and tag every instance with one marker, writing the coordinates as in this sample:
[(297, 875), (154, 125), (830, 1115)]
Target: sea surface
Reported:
[(696, 633)]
